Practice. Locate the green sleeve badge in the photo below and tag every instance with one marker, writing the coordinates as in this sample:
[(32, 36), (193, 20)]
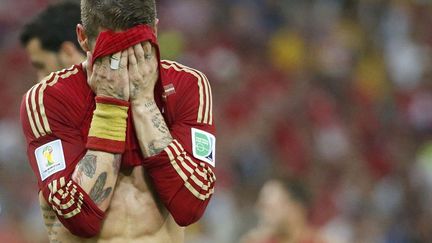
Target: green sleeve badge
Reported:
[(203, 146)]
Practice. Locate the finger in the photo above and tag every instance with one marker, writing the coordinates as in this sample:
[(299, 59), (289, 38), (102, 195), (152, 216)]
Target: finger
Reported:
[(124, 59), (132, 58), (139, 52), (116, 55), (114, 61), (147, 49)]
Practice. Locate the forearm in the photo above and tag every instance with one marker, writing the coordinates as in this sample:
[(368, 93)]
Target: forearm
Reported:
[(80, 200), (150, 127), (97, 173), (183, 186)]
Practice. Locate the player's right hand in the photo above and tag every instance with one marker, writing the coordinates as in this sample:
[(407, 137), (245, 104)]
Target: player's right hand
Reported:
[(108, 82)]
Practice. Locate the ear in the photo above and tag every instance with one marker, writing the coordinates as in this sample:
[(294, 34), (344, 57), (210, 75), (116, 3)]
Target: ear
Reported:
[(82, 38)]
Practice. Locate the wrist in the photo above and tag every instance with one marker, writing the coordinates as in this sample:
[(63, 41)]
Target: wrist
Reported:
[(141, 100), (114, 96), (108, 127)]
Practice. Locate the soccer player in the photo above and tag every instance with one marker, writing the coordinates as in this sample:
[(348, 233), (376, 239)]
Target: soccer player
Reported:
[(122, 145), (50, 39)]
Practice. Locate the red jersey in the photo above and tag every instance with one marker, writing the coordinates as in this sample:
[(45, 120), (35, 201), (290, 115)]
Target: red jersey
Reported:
[(56, 115)]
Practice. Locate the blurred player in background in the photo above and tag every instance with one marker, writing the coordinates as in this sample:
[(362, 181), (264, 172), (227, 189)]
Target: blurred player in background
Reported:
[(50, 39), (104, 174), (282, 215)]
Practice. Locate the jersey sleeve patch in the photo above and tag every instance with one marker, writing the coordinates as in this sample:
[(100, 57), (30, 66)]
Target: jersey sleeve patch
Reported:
[(204, 146), (50, 158)]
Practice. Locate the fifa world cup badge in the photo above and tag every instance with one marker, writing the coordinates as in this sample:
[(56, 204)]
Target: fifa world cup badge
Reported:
[(50, 158)]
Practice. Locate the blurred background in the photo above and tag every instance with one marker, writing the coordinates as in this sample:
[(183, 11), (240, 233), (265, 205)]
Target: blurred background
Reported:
[(335, 95)]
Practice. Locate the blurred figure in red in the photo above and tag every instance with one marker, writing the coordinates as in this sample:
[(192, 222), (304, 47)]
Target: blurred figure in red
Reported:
[(282, 215)]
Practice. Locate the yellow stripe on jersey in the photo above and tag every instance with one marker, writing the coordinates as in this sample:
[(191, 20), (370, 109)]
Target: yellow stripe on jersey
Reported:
[(29, 115), (208, 116), (185, 178), (70, 71), (200, 88), (187, 167), (175, 165), (41, 129), (205, 107), (203, 173)]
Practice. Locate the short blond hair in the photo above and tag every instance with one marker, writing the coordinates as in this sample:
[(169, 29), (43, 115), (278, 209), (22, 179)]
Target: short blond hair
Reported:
[(116, 14)]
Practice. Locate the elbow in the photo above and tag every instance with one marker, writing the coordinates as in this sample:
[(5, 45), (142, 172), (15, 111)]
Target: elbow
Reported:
[(187, 210), (84, 227), (187, 217), (85, 231), (74, 208)]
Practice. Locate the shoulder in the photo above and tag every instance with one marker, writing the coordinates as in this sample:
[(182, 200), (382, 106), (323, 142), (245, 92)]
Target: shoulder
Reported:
[(53, 85), (47, 101), (192, 89), (183, 75)]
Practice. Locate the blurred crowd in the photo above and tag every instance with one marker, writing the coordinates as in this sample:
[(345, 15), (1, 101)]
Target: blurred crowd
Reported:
[(335, 95)]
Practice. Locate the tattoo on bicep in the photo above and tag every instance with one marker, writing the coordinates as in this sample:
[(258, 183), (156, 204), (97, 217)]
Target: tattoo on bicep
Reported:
[(98, 194), (88, 165), (156, 146)]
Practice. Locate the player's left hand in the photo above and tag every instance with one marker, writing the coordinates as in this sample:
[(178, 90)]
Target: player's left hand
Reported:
[(143, 71)]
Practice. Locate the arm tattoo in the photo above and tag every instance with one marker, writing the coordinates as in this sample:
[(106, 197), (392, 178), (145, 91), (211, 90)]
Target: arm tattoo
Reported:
[(151, 106), (88, 165), (156, 146), (98, 194), (159, 123), (51, 223)]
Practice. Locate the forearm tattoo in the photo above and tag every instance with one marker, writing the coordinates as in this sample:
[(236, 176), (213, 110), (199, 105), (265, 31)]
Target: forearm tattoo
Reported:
[(98, 194), (159, 123), (156, 146), (51, 223), (88, 165), (151, 106), (164, 138)]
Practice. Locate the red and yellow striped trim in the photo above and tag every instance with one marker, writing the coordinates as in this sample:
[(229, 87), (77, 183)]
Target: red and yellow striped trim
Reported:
[(34, 101), (205, 108), (198, 179), (60, 192)]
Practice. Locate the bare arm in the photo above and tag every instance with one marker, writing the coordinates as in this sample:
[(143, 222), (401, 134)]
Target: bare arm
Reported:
[(97, 174), (83, 197), (183, 183), (150, 127)]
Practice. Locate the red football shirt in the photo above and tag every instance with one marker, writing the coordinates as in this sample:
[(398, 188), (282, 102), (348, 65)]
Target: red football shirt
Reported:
[(56, 115)]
